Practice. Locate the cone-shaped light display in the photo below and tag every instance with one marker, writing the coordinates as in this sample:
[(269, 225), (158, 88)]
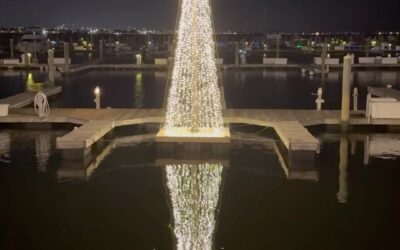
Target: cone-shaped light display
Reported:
[(194, 107)]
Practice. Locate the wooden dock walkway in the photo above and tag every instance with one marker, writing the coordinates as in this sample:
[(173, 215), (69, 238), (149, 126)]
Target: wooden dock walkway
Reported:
[(27, 98), (86, 135), (296, 137), (288, 124)]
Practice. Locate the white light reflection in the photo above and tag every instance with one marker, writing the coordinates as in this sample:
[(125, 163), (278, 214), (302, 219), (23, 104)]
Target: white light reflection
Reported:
[(5, 147), (343, 193), (43, 151), (194, 192), (138, 98)]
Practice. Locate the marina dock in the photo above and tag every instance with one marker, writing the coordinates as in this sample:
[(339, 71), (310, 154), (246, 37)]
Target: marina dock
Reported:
[(120, 67), (27, 98), (290, 125)]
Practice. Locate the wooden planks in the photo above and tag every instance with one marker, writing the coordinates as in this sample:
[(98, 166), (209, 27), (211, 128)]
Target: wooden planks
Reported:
[(27, 98), (289, 124), (85, 136), (296, 137)]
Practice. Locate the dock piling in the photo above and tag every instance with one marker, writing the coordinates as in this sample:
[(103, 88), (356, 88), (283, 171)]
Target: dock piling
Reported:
[(237, 54), (50, 62), (101, 55), (346, 88), (278, 49), (355, 99), (12, 48), (66, 57)]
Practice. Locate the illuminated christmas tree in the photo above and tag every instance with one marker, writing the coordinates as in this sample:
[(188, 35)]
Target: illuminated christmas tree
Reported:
[(194, 107)]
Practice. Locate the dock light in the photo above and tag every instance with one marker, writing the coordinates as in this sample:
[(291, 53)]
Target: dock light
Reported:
[(97, 90), (139, 59), (28, 58), (97, 94)]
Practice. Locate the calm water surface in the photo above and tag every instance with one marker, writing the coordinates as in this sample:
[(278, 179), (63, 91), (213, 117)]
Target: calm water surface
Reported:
[(128, 196), (131, 194), (243, 89)]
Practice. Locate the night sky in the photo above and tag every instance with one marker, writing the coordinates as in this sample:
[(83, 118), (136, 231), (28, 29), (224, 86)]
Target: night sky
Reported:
[(236, 15)]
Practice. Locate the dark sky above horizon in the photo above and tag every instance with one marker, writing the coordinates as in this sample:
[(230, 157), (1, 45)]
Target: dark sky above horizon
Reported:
[(263, 15)]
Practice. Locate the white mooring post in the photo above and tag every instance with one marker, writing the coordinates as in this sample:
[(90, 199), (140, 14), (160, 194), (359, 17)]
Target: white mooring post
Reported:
[(319, 101), (50, 62), (66, 57), (346, 89), (278, 48), (355, 99)]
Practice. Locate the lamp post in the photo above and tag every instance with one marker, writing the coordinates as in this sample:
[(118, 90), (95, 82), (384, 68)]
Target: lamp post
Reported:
[(97, 100), (139, 59)]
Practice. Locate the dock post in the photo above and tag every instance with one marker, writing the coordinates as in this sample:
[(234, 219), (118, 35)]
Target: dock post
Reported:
[(236, 54), (66, 57), (50, 62), (323, 59), (101, 55), (367, 47), (355, 99), (278, 49), (12, 48), (346, 89), (319, 101)]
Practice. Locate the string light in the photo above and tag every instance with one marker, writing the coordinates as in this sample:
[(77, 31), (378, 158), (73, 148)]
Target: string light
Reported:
[(194, 101), (194, 192)]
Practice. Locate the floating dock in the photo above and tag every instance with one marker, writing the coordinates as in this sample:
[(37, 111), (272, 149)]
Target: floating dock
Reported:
[(27, 98), (290, 125)]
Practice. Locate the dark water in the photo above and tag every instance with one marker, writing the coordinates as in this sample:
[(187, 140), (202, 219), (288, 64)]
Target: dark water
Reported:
[(243, 89), (131, 195), (128, 197)]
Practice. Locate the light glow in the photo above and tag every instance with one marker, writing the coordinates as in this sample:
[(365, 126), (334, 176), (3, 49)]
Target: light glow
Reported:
[(97, 91), (194, 105)]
